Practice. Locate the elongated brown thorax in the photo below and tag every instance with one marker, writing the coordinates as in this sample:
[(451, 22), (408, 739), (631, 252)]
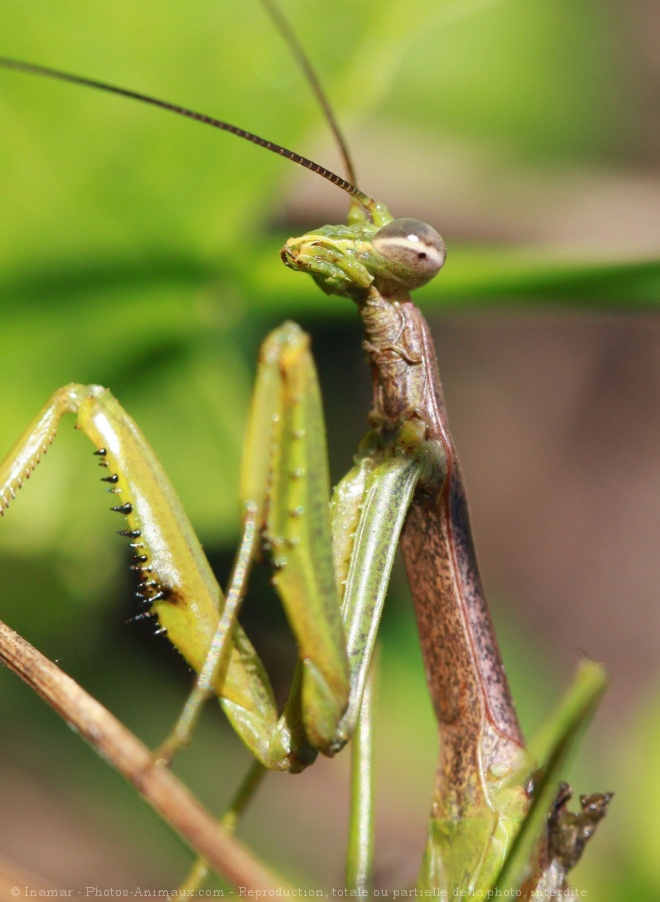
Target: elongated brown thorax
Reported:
[(470, 693)]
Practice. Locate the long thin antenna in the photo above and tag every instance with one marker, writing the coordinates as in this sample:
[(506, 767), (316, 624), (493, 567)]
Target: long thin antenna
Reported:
[(284, 27), (31, 68)]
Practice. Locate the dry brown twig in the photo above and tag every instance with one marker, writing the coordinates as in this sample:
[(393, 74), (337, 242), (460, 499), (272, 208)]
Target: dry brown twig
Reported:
[(160, 787)]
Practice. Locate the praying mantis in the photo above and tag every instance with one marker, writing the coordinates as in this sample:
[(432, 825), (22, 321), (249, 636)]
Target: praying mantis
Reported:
[(406, 481)]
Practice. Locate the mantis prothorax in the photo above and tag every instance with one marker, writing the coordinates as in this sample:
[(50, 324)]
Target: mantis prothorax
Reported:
[(332, 563)]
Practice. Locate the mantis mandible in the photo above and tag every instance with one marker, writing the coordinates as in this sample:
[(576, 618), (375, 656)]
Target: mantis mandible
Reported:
[(332, 571)]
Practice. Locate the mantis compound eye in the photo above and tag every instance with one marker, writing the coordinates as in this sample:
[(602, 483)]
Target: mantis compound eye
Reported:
[(413, 250)]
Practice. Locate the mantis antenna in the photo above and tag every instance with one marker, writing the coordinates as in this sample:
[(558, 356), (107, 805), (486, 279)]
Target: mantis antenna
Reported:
[(283, 26), (369, 204)]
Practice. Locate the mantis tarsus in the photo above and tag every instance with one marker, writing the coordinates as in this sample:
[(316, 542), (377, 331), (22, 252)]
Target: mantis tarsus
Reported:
[(405, 479)]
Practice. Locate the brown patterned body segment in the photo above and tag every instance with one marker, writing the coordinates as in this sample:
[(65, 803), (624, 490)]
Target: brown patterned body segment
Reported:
[(481, 739)]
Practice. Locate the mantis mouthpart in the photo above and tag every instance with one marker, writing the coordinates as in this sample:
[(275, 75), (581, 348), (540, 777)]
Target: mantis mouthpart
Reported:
[(493, 820)]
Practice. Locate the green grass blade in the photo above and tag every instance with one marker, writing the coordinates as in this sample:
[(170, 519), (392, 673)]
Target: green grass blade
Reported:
[(553, 746)]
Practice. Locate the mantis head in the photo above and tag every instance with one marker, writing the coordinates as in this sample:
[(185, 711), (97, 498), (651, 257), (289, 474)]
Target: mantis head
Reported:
[(393, 257)]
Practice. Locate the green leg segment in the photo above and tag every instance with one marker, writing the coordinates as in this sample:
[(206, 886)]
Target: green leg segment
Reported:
[(285, 493)]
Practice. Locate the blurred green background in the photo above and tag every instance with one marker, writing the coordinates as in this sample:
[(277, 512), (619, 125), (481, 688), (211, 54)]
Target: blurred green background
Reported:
[(140, 251)]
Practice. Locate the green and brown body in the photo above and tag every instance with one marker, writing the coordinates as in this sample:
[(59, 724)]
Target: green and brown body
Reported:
[(480, 797)]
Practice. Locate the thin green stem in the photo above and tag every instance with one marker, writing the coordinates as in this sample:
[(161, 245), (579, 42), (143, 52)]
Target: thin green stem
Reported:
[(558, 740), (243, 796), (360, 852)]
